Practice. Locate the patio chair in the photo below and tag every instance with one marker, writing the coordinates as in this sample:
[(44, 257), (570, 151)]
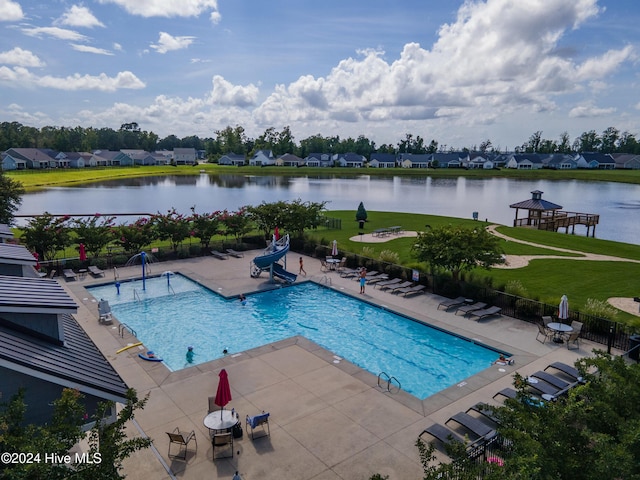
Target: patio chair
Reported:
[(547, 319), (342, 264), (484, 312), (324, 266), (181, 439), (577, 326), (451, 302), (568, 370), (470, 308), (212, 405), (95, 271), (546, 334), (573, 340), (222, 440), (474, 425), (219, 255), (69, 274), (256, 421)]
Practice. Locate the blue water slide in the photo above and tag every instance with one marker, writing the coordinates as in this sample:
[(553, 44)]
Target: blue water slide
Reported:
[(279, 271), (272, 253)]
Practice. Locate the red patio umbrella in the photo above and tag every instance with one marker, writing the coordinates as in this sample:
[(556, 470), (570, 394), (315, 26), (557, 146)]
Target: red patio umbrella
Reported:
[(83, 253), (223, 395), (37, 257), (276, 233)]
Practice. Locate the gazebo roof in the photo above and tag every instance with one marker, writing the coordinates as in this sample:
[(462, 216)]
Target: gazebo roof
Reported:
[(536, 203)]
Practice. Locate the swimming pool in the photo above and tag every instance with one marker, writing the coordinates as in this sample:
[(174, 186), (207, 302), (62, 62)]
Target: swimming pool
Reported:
[(170, 316)]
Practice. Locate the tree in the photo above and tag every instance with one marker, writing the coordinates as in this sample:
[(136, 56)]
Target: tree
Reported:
[(172, 226), (109, 445), (204, 226), (46, 234), (135, 236), (95, 236), (236, 223), (361, 214), (457, 249), (11, 192), (267, 216)]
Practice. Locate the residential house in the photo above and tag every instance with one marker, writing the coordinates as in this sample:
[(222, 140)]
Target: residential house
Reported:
[(524, 161), (10, 162), (414, 160), (627, 161), (319, 160), (479, 160), (140, 157), (36, 158), (185, 156), (74, 159), (599, 161), (43, 349), (109, 158), (560, 161), (449, 159), (262, 158), (382, 160), (350, 159), (289, 160), (232, 159)]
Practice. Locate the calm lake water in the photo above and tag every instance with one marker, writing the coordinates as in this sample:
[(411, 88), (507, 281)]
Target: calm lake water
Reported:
[(617, 204)]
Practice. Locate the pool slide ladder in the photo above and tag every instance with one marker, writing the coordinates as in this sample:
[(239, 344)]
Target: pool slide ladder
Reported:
[(390, 381)]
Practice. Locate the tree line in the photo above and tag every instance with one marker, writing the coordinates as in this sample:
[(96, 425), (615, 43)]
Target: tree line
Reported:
[(235, 139)]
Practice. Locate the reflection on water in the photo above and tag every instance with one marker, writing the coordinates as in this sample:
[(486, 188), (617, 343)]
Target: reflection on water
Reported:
[(455, 197)]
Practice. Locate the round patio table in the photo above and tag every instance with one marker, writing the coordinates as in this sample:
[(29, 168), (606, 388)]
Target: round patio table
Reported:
[(220, 422), (559, 329)]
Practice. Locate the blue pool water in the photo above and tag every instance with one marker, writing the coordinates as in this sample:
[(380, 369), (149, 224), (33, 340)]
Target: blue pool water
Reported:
[(170, 317)]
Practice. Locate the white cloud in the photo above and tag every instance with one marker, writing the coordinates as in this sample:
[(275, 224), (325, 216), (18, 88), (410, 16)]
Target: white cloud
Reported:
[(10, 11), (55, 32), (79, 16), (589, 111), (167, 8), (225, 93), (87, 49), (117, 46), (23, 77), (497, 55), (20, 57), (167, 43)]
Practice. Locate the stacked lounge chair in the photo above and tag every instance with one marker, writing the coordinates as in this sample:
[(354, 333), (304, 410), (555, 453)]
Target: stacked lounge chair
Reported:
[(484, 312), (452, 302), (465, 309), (413, 290), (474, 425), (387, 283)]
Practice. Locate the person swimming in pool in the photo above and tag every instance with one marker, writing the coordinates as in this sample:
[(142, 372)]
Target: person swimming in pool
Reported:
[(243, 299), (502, 360), (190, 354)]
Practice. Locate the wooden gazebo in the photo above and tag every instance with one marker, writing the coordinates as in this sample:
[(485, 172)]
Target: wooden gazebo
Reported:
[(545, 215)]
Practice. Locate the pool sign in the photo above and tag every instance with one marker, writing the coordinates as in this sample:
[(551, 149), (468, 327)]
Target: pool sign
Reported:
[(415, 275)]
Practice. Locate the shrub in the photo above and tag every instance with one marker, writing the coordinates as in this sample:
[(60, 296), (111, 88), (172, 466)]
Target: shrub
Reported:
[(389, 256), (515, 287), (367, 252), (599, 308)]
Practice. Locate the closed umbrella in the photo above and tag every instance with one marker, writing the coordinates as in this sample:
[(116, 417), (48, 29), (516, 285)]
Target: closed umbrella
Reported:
[(563, 308), (83, 253), (334, 249), (276, 233), (223, 395), (37, 257)]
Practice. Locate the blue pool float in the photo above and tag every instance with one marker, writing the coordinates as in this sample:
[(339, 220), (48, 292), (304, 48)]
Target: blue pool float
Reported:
[(149, 356)]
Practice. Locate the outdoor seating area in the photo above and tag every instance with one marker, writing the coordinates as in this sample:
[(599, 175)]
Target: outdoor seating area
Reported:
[(479, 423), (559, 332), (387, 231), (469, 308)]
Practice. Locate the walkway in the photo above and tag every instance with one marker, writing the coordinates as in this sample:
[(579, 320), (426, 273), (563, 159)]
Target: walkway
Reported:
[(329, 420)]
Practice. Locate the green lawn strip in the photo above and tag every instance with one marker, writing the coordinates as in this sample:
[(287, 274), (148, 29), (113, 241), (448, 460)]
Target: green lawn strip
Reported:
[(574, 242), (548, 280)]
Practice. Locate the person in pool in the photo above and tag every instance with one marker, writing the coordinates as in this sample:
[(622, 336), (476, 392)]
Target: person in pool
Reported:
[(502, 360), (190, 354), (243, 299)]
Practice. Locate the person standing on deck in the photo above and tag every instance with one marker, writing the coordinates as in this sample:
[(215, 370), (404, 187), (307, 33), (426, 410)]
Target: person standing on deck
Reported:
[(363, 278)]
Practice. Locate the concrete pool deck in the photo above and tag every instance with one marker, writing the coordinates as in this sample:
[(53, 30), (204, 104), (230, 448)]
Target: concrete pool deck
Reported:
[(328, 420)]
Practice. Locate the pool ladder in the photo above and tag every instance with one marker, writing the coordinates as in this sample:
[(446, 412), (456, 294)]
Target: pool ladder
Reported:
[(124, 328), (136, 295), (391, 382)]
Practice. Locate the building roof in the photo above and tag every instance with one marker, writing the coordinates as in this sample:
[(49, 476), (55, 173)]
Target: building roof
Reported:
[(76, 364), (16, 255), (5, 231), (536, 203), (34, 295)]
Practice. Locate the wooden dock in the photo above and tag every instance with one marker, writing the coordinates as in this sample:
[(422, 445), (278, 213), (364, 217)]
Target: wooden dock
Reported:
[(559, 219)]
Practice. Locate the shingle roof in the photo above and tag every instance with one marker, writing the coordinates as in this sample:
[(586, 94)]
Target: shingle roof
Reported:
[(5, 231), (76, 364), (22, 294), (16, 254)]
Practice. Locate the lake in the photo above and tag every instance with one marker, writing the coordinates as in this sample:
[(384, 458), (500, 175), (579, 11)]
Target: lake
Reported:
[(618, 204)]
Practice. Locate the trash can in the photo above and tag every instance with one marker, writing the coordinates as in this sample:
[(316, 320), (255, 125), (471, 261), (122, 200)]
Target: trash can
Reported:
[(634, 347)]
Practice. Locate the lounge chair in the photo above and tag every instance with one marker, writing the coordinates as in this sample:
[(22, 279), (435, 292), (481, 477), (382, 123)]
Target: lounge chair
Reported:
[(470, 308), (256, 421), (69, 274), (398, 286), (568, 370), (95, 271), (551, 379), (349, 272), (506, 392), (415, 290), (532, 401), (388, 283), (369, 275), (473, 424), (543, 387), (182, 439), (233, 253), (485, 410), (452, 302), (544, 332), (443, 434), (377, 278), (219, 255), (484, 312)]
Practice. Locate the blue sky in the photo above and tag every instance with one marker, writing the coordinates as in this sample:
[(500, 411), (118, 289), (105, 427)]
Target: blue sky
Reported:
[(454, 71)]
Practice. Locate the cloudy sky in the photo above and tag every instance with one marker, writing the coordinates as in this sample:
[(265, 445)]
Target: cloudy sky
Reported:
[(459, 72)]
